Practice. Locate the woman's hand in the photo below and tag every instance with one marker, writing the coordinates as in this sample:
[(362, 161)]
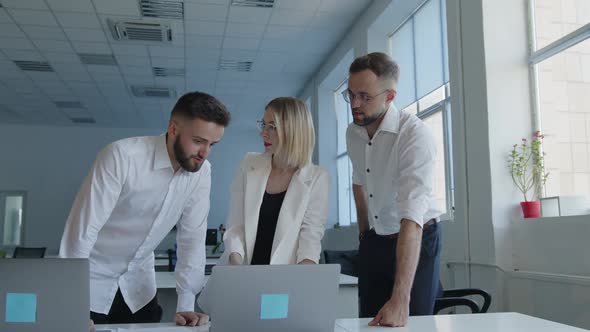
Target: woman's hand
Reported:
[(235, 259)]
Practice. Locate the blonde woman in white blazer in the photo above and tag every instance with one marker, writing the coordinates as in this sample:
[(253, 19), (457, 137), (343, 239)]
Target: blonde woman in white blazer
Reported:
[(280, 184)]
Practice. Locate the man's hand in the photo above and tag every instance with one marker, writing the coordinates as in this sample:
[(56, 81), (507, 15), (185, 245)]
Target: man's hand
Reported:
[(306, 261), (92, 329), (189, 318), (394, 313), (235, 259)]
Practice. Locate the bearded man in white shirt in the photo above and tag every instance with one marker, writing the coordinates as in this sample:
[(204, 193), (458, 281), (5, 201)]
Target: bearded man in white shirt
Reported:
[(393, 155), (138, 189)]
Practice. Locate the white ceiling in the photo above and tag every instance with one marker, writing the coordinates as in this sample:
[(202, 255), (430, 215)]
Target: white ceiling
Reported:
[(286, 44)]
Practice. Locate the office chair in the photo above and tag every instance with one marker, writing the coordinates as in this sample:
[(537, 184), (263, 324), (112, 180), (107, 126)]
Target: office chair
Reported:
[(348, 260), (456, 297), (24, 252)]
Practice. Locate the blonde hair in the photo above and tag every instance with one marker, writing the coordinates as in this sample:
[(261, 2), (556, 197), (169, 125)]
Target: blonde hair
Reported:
[(295, 131)]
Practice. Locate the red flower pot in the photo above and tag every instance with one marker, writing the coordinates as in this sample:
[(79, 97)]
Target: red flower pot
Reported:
[(531, 209)]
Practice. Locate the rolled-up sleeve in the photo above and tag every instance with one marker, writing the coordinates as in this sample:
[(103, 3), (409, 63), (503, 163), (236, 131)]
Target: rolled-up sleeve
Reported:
[(416, 173), (314, 219), (94, 202), (190, 236)]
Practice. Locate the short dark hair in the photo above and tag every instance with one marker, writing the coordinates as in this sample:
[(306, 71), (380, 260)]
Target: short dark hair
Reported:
[(199, 105), (379, 63)]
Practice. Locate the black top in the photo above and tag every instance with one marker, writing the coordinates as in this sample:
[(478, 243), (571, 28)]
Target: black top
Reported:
[(267, 224)]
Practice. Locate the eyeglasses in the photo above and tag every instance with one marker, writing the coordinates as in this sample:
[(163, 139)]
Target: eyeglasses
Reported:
[(271, 128), (364, 98)]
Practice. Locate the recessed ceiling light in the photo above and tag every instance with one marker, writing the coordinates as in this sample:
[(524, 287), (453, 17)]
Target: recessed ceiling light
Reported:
[(254, 3), (162, 9), (152, 91), (168, 72), (234, 65), (34, 65), (68, 104), (98, 59)]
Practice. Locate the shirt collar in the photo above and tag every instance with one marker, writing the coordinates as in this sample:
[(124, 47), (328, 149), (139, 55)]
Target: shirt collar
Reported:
[(161, 157), (390, 122)]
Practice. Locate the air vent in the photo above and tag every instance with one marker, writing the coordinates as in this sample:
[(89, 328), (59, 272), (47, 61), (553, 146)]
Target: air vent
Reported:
[(168, 72), (68, 104), (98, 59), (141, 31), (152, 91), (34, 66), (162, 9), (254, 3), (233, 65), (83, 120)]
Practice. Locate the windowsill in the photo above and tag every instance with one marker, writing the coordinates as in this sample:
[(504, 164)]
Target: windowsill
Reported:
[(560, 219)]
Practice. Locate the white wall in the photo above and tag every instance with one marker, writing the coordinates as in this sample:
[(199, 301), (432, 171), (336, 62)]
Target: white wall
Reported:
[(49, 163), (535, 267)]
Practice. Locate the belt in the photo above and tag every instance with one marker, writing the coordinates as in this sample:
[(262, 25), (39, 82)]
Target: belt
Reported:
[(372, 232)]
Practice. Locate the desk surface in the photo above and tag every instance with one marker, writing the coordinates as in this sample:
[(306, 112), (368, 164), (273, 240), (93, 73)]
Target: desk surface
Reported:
[(168, 280), (493, 322)]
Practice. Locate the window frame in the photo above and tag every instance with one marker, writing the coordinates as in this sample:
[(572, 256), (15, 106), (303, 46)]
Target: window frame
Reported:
[(443, 106), (553, 49), (344, 155)]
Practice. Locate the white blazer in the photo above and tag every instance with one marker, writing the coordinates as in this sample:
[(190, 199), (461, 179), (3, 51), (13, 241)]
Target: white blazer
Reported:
[(300, 226)]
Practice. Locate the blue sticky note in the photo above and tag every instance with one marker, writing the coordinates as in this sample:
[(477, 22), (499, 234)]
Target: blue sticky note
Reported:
[(274, 306), (21, 308)]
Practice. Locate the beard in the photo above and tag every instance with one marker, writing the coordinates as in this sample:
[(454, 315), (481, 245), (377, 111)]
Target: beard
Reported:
[(186, 162), (368, 119)]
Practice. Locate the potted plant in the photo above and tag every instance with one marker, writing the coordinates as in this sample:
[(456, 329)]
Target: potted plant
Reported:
[(527, 167)]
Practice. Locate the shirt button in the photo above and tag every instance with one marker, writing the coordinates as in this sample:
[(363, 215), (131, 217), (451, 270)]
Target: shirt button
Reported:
[(368, 170), (371, 195), (376, 217), (370, 143)]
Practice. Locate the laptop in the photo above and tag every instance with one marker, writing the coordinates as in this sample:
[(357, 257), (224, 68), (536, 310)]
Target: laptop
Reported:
[(48, 294), (285, 298)]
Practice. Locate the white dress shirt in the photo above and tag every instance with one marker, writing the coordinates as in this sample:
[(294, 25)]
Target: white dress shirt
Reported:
[(127, 204), (396, 169)]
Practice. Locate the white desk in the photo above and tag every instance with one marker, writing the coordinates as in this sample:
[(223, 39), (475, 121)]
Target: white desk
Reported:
[(347, 295), (494, 322)]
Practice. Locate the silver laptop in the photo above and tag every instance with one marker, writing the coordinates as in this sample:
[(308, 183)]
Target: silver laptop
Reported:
[(48, 294), (283, 298)]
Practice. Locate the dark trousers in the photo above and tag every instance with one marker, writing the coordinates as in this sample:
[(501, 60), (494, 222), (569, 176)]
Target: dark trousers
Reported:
[(121, 314), (377, 263)]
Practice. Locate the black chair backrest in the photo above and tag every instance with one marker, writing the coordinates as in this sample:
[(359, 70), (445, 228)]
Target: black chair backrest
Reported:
[(348, 260), (24, 252), (456, 297), (171, 259)]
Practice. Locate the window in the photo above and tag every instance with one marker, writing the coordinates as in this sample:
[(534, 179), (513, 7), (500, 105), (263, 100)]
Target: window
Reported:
[(434, 109), (419, 46), (560, 65), (11, 210), (553, 19), (346, 206)]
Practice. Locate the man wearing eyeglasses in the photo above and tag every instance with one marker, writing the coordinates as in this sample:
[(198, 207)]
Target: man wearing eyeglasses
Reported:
[(393, 155)]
